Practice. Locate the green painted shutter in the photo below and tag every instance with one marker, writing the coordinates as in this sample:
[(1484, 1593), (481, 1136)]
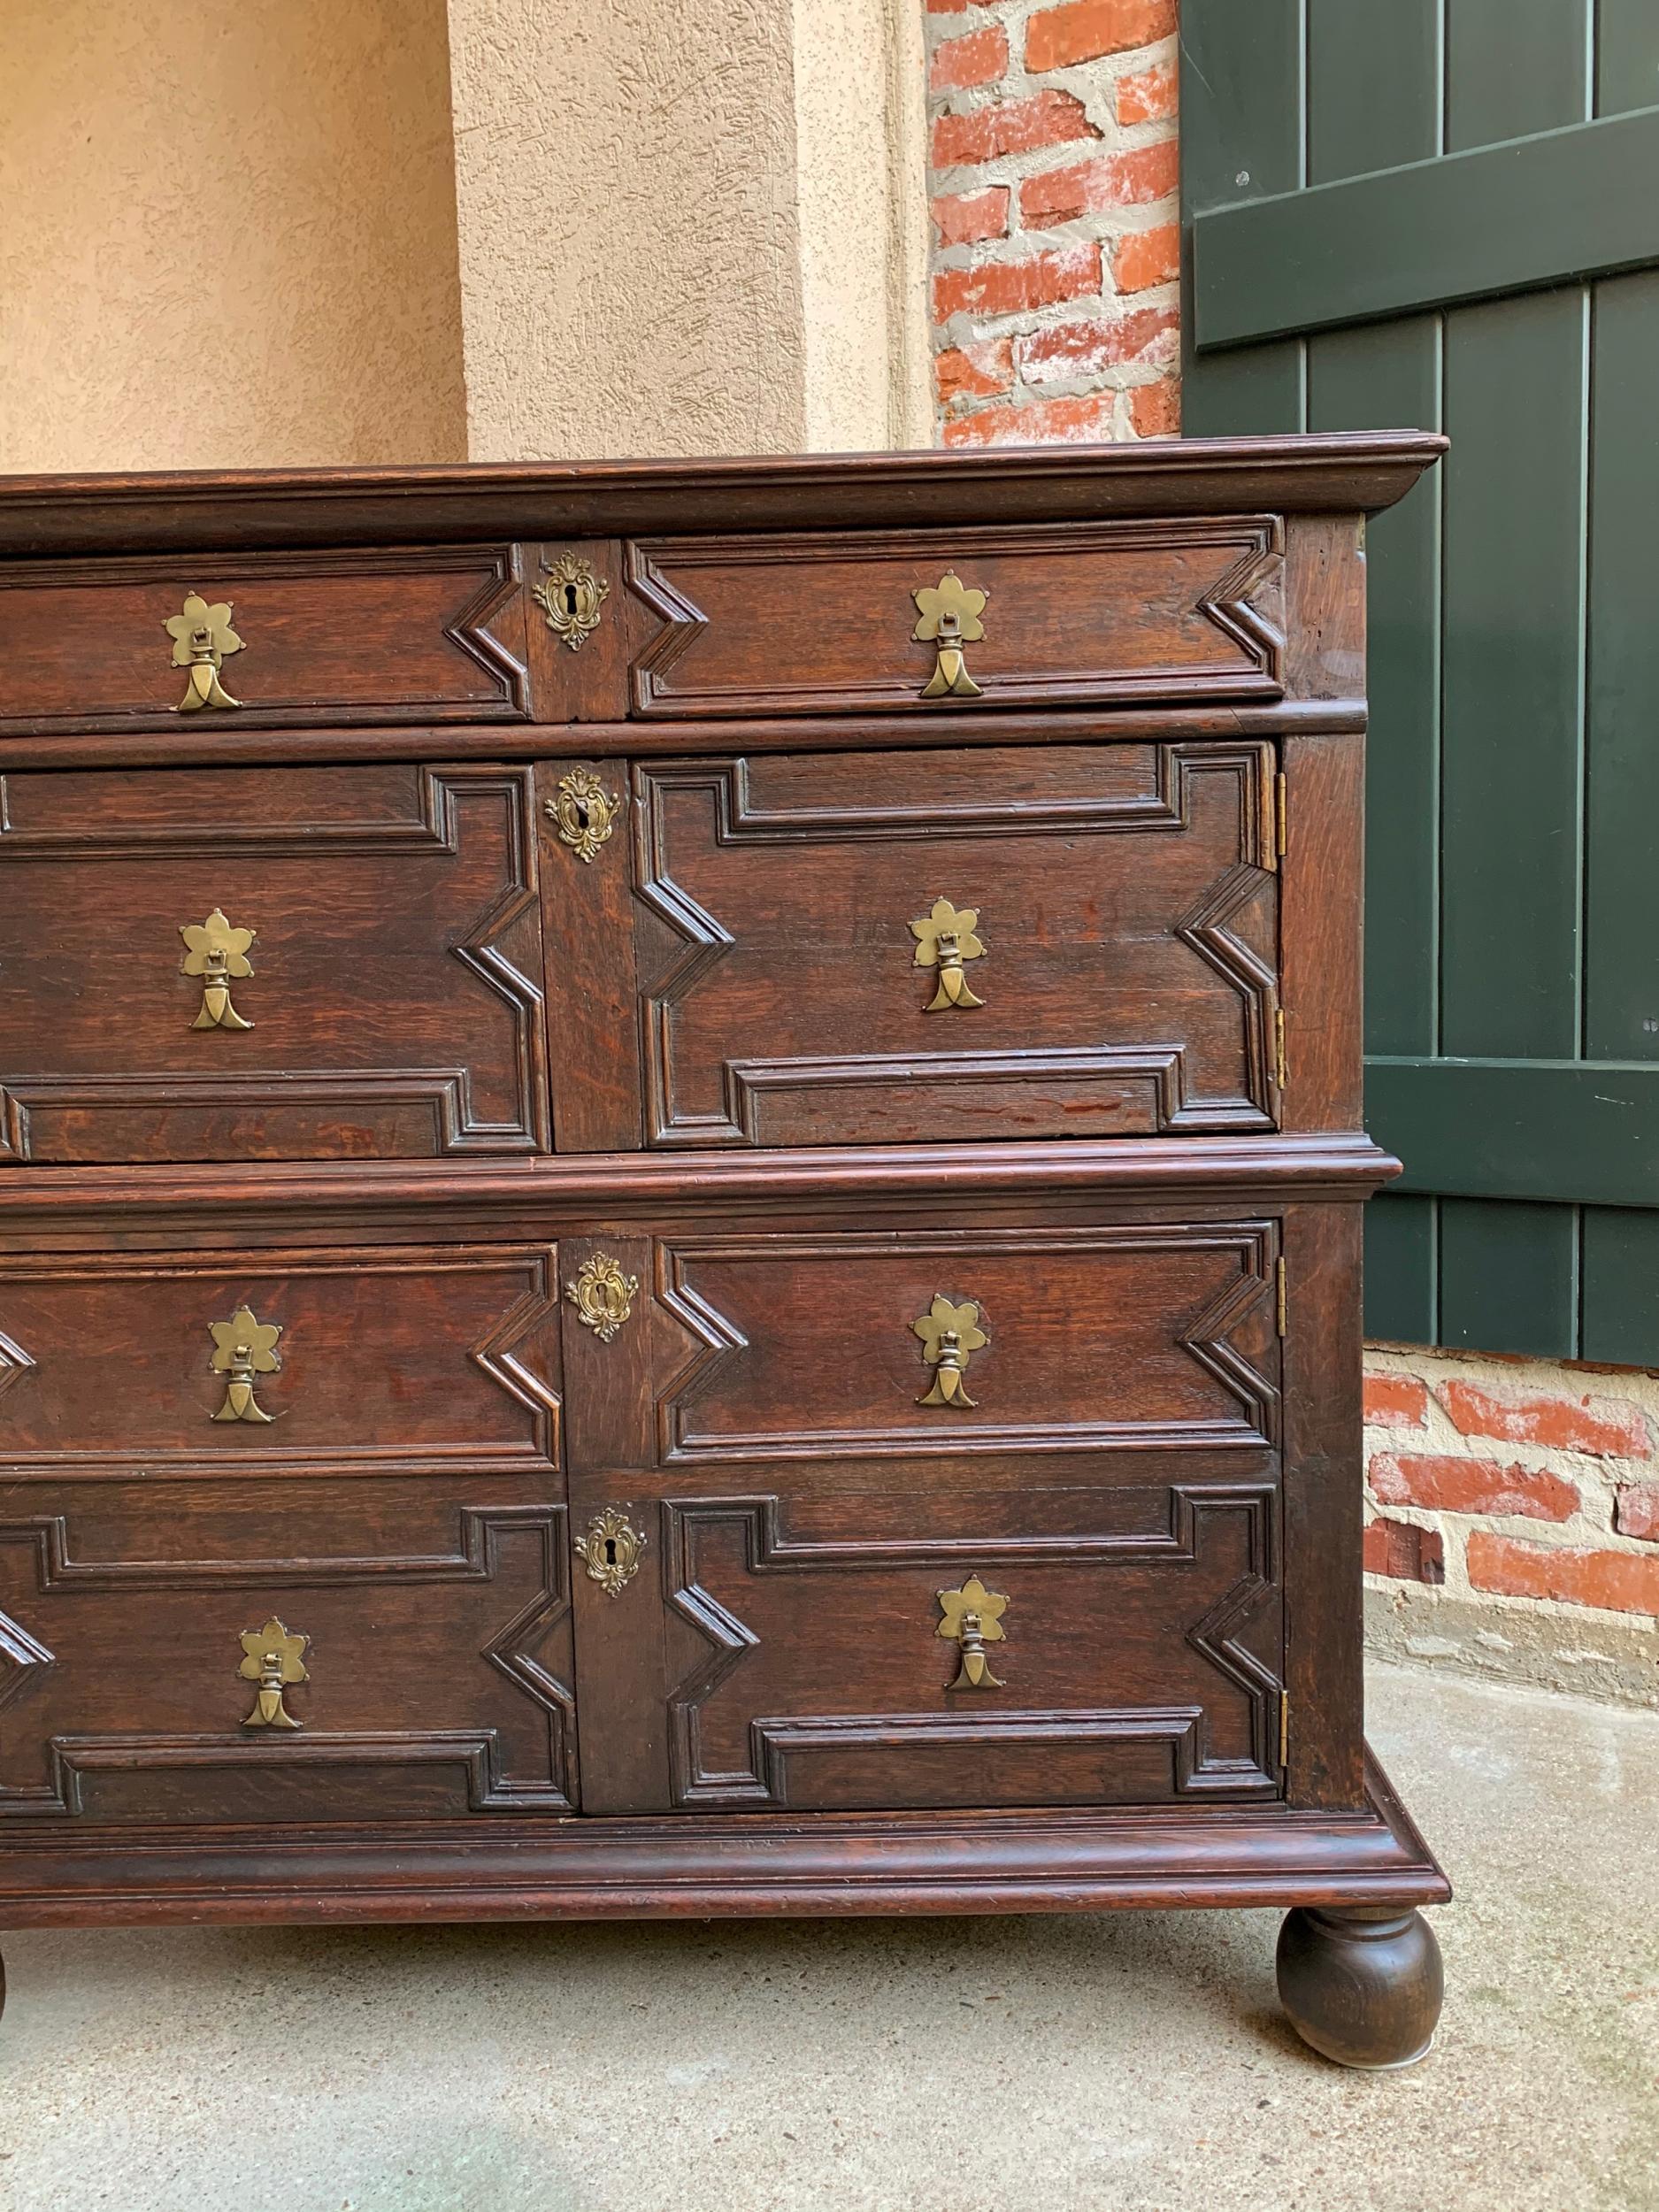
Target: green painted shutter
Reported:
[(1445, 214)]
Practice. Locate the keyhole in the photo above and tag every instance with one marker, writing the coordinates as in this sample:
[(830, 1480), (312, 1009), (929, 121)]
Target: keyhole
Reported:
[(570, 606), (610, 1551)]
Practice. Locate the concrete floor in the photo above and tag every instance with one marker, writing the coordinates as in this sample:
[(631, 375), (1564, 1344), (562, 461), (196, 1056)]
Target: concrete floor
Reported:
[(1132, 2062)]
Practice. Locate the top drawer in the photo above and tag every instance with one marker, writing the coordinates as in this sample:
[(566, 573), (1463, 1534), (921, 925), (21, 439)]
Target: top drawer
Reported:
[(433, 634), (1190, 608)]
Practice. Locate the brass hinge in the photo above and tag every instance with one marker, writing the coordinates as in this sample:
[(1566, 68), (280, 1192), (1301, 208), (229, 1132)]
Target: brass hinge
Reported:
[(1284, 1728), (1282, 1296), (1281, 833), (1281, 1068)]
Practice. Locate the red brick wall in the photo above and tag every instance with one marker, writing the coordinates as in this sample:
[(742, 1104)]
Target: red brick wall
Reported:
[(1513, 1516), (1054, 183)]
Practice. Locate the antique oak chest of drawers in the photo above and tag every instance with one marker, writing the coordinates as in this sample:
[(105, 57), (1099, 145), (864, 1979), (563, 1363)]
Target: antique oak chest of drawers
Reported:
[(680, 1177)]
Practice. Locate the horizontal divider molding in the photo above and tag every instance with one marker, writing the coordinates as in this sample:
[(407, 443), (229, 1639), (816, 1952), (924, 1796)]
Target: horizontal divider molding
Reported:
[(1584, 1131)]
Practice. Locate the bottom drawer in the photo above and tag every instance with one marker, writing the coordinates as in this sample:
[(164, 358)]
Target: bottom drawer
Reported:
[(1038, 1646), (207, 1653)]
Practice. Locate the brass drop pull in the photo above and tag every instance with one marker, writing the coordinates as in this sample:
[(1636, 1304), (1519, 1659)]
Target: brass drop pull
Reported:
[(202, 641), (603, 1295), (243, 1348), (950, 1336), (610, 1551), (273, 1659), (586, 813), (218, 954), (570, 597), (945, 937), (972, 1618), (949, 618)]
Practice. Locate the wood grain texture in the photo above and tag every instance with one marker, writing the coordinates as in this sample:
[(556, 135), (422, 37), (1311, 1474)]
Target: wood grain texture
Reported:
[(1126, 905), (395, 998), (438, 1680), (435, 632), (481, 1062), (755, 1864), (39, 515), (250, 744), (1164, 610)]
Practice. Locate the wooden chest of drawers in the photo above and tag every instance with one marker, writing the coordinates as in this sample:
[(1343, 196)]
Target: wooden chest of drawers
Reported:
[(680, 1193)]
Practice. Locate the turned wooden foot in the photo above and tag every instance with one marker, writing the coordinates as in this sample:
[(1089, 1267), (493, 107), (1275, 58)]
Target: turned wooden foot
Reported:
[(1363, 1986)]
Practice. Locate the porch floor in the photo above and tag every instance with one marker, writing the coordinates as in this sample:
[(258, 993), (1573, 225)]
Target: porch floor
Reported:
[(1129, 2062)]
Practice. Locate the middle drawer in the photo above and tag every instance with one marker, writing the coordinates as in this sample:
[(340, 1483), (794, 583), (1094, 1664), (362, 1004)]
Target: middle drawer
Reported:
[(269, 963), (990, 943)]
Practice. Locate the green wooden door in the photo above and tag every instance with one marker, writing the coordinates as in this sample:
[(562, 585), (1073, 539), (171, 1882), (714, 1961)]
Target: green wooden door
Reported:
[(1445, 214)]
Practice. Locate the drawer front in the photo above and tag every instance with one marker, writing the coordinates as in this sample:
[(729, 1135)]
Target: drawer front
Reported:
[(910, 947), (1025, 1647), (369, 987), (1177, 609), (955, 1349), (435, 635), (317, 1651), (267, 1366)]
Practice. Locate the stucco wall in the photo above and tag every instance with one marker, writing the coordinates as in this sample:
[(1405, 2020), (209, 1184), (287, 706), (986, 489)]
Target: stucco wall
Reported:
[(688, 229), (229, 234)]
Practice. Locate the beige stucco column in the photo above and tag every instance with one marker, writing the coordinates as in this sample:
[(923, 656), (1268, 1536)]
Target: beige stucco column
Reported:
[(693, 228)]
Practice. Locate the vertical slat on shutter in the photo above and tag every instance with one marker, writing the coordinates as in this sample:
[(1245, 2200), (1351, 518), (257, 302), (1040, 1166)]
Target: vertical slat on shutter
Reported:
[(1242, 117)]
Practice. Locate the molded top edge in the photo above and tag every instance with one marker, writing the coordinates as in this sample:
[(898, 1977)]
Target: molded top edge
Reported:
[(263, 507)]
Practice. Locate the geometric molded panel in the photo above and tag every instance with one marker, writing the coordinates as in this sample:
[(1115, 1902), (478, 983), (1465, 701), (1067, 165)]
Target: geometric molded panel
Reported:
[(814, 1681), (160, 1738)]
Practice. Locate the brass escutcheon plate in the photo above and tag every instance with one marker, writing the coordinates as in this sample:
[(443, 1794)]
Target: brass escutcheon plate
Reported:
[(571, 596), (603, 1295), (611, 1550), (584, 812)]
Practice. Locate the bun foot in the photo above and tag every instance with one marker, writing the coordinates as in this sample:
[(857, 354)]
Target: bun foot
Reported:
[(1362, 1986)]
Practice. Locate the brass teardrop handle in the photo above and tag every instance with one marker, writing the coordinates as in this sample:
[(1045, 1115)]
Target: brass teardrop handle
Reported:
[(950, 1336), (216, 954), (273, 1658), (243, 1349), (947, 619), (202, 642), (972, 1617), (946, 937)]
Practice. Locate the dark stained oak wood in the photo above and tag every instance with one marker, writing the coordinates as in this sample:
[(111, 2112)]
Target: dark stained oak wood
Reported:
[(260, 508), (396, 999), (701, 1056), (438, 1663), (691, 1865), (1125, 904), (238, 742), (1362, 1986), (435, 633), (445, 1359), (1169, 609)]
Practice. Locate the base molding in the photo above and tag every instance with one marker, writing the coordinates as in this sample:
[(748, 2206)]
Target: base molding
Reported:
[(764, 1865)]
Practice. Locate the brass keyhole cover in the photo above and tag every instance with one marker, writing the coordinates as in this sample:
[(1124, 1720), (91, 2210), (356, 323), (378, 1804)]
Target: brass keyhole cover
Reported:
[(584, 811), (571, 597), (611, 1550)]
